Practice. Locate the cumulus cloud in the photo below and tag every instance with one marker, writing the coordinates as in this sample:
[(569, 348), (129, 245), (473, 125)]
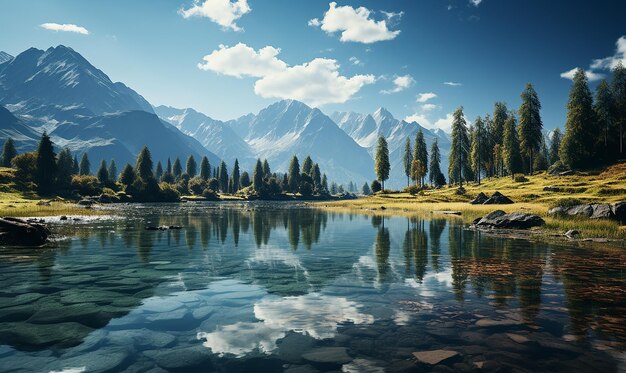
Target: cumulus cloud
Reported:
[(591, 76), (400, 84), (222, 12), (356, 24), (67, 27), (444, 123), (428, 107), (241, 60), (453, 84), (612, 61), (423, 97), (316, 83)]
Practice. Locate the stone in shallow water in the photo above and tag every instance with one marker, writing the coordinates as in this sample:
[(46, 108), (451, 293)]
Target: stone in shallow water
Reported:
[(434, 357), (487, 323), (85, 296), (328, 355), (292, 347), (88, 314), (141, 338), (100, 361), (24, 334), (301, 369), (518, 338), (190, 359)]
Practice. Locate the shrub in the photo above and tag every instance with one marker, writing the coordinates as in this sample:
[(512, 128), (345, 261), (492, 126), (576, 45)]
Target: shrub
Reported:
[(376, 187), (86, 185), (460, 191), (213, 184), (26, 166), (520, 178), (210, 195), (168, 194), (197, 185), (412, 189)]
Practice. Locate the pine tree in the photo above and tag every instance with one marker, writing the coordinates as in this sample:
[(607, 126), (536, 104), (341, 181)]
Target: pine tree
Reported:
[(191, 168), (65, 168), (168, 168), (317, 176), (75, 166), (85, 165), (127, 176), (113, 171), (267, 172), (436, 176), (8, 152), (530, 124), (103, 173), (458, 169), (244, 179), (510, 147), (555, 144), (223, 177), (479, 148), (257, 177), (158, 174), (205, 168), (603, 108), (324, 183), (407, 160), (420, 153), (307, 165), (498, 157), (144, 165), (366, 189), (618, 89), (177, 169), (294, 175), (46, 165), (382, 165), (577, 147), (236, 176), (500, 115)]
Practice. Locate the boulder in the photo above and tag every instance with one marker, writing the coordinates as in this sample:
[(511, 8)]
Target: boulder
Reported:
[(602, 211), (480, 199), (20, 232), (556, 168), (615, 211), (572, 233), (619, 211), (516, 220), (498, 199)]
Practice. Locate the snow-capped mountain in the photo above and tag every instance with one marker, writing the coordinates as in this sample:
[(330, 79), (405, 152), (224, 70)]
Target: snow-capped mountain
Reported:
[(289, 127), (59, 91), (39, 83), (214, 135), (5, 57), (366, 128)]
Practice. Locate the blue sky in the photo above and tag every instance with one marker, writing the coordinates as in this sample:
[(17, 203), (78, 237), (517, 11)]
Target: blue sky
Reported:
[(337, 57)]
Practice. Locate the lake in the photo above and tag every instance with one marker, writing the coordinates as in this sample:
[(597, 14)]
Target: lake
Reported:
[(271, 288)]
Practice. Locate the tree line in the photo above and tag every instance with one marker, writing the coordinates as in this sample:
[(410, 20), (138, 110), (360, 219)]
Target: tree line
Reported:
[(508, 142)]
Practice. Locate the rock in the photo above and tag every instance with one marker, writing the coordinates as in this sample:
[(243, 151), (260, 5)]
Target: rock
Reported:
[(490, 323), (434, 357), (86, 202), (619, 211), (63, 218), (602, 211), (328, 355), (98, 361), (23, 334), (516, 220), (43, 203), (192, 359), (498, 199), (572, 233), (615, 211), (556, 168), (518, 338), (480, 199), (19, 232), (141, 338)]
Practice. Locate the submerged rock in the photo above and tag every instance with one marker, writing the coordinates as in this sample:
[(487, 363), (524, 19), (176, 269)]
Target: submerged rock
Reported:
[(434, 357), (20, 232), (328, 355), (480, 199), (516, 220)]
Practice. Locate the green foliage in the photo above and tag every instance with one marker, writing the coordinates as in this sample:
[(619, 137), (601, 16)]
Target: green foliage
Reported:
[(144, 166), (267, 172), (113, 171), (407, 160), (258, 176), (382, 165), (317, 176), (191, 166), (177, 168), (604, 108), (244, 180), (459, 166), (205, 168), (567, 202), (307, 165), (85, 165), (412, 189), (46, 165), (294, 175), (167, 193), (127, 177), (496, 128), (376, 186), (197, 185), (520, 178), (86, 185), (530, 124), (8, 153), (75, 166), (511, 151), (366, 189), (420, 154), (210, 194), (555, 144), (103, 173), (618, 89), (223, 177), (236, 177), (213, 184), (158, 174), (434, 169), (65, 169), (578, 145), (480, 149), (26, 166)]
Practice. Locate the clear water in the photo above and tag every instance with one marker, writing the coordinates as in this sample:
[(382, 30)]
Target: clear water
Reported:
[(256, 288)]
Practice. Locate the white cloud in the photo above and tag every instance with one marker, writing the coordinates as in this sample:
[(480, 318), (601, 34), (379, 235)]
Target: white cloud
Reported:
[(423, 97), (67, 27), (591, 76), (355, 24), (316, 83), (400, 84), (355, 61), (444, 123), (429, 107), (476, 2), (241, 60), (612, 61), (453, 84), (222, 12)]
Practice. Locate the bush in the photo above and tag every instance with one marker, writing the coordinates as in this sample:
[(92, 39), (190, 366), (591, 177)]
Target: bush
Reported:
[(168, 194), (210, 195), (86, 185), (376, 187), (460, 191), (520, 178), (412, 189), (213, 184), (197, 185)]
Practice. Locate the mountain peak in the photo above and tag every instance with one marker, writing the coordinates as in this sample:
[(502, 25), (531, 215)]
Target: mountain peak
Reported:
[(382, 114)]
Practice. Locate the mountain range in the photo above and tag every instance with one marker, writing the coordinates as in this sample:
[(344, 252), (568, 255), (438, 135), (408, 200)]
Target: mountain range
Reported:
[(59, 91)]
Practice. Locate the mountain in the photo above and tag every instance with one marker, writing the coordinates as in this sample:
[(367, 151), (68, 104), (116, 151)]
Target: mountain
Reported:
[(5, 57), (59, 91), (366, 128), (289, 127), (111, 137), (214, 135), (42, 83)]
